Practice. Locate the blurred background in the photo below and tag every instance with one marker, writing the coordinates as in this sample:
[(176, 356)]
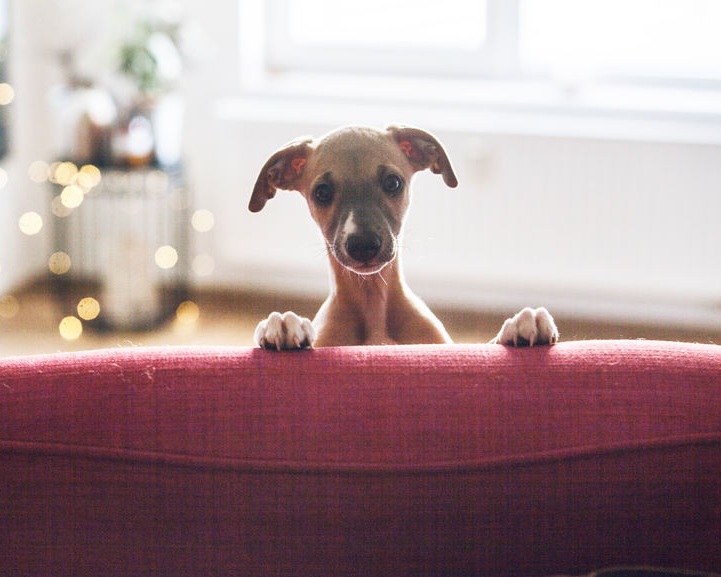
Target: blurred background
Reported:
[(586, 136)]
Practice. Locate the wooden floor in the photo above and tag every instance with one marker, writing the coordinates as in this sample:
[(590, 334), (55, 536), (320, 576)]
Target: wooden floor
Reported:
[(229, 318)]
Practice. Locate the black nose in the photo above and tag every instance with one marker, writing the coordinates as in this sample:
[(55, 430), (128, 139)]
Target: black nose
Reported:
[(363, 247)]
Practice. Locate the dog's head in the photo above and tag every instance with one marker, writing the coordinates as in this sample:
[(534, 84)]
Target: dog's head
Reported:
[(356, 181)]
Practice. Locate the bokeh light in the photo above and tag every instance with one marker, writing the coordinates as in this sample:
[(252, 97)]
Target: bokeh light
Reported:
[(187, 313), (7, 94), (88, 308), (30, 223), (203, 220), (166, 257), (72, 196), (3, 178), (59, 263), (63, 173), (9, 307), (89, 177), (70, 328), (39, 171), (58, 208), (203, 265)]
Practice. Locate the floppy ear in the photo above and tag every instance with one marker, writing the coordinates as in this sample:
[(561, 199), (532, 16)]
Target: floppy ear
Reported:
[(423, 151), (282, 171)]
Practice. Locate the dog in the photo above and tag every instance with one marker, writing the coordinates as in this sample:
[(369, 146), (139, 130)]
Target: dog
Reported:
[(356, 181)]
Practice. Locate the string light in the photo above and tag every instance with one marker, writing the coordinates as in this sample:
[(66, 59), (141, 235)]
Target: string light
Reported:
[(72, 196), (30, 223), (63, 173), (39, 171), (187, 313), (70, 328), (9, 307), (166, 257), (89, 176), (88, 308), (7, 94), (203, 220), (72, 183), (59, 263), (58, 208)]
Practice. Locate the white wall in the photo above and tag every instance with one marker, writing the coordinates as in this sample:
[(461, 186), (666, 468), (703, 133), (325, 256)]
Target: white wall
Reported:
[(30, 73), (614, 217)]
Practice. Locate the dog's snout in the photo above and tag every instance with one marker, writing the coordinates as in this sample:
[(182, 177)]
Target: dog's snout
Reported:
[(363, 247)]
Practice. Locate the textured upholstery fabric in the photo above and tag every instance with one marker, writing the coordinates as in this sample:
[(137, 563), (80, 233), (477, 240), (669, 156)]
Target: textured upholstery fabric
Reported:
[(418, 460)]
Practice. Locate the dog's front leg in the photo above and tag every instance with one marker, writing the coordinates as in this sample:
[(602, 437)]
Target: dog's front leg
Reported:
[(284, 331), (527, 328)]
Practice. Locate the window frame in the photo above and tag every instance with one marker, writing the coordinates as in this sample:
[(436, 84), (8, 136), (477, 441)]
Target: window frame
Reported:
[(498, 59), (497, 56)]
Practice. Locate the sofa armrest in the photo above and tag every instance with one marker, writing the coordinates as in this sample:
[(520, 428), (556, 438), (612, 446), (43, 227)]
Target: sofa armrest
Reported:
[(422, 460)]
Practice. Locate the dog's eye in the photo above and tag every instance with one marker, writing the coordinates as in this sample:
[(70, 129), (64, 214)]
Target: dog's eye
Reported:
[(323, 194), (392, 184)]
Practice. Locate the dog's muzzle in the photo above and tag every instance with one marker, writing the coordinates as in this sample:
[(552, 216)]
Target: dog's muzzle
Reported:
[(364, 252), (363, 247), (363, 244)]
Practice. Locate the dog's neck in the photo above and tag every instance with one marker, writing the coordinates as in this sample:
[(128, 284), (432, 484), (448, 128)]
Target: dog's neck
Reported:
[(365, 305), (376, 309)]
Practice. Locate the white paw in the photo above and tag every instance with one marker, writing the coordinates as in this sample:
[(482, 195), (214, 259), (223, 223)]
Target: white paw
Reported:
[(284, 331), (529, 327)]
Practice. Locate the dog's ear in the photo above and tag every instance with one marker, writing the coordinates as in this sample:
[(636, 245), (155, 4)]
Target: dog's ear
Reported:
[(282, 171), (423, 151)]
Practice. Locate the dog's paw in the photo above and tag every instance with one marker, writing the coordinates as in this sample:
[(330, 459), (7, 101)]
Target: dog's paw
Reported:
[(284, 331), (529, 327)]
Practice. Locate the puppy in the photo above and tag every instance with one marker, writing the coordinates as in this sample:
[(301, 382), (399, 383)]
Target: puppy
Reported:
[(356, 181)]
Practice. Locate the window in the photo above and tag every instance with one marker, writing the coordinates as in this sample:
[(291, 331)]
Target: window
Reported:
[(378, 36), (645, 39), (387, 24), (670, 40)]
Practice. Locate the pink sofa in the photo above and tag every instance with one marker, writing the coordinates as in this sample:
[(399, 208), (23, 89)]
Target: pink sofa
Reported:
[(422, 460)]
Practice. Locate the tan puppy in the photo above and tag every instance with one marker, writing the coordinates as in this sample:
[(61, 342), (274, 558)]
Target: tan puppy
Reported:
[(356, 181)]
